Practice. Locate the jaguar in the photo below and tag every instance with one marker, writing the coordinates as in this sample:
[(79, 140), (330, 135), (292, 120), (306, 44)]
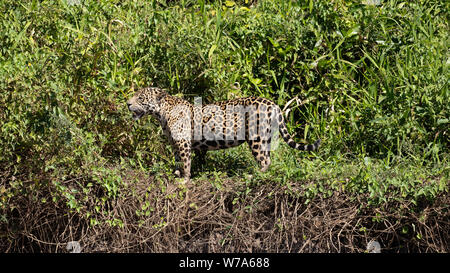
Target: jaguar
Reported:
[(199, 128)]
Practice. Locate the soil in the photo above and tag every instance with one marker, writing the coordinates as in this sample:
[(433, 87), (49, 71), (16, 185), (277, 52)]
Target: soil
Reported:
[(201, 218)]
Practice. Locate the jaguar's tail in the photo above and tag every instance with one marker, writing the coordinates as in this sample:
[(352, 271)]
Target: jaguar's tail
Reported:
[(288, 139)]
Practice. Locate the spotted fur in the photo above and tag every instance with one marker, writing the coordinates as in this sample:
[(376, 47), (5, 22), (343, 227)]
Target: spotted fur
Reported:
[(195, 127)]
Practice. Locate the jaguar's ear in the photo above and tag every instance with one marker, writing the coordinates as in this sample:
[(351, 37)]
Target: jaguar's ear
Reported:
[(160, 94)]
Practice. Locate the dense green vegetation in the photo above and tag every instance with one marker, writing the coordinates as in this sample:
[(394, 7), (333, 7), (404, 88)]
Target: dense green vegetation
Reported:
[(370, 81)]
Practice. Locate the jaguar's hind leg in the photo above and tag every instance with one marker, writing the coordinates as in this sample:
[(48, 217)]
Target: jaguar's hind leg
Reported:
[(261, 152)]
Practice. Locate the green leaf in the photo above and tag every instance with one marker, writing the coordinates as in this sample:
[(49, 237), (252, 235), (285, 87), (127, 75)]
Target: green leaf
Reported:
[(442, 121), (230, 4), (273, 42), (211, 52)]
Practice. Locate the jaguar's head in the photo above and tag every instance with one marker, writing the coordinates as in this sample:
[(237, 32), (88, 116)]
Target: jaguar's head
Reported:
[(146, 101)]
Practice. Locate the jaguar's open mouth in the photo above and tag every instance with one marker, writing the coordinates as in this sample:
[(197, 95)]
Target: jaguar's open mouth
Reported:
[(137, 114)]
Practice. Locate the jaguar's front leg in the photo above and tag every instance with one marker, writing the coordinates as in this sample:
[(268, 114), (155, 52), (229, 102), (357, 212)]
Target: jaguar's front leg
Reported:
[(177, 171), (184, 151)]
